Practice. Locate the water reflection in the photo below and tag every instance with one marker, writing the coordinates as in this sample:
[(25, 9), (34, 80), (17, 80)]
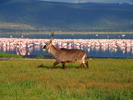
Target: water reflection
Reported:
[(93, 47)]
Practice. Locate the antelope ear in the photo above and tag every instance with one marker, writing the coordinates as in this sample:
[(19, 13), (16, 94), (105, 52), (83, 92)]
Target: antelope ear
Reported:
[(52, 37)]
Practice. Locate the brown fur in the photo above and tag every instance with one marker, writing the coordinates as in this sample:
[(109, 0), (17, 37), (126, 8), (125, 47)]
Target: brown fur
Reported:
[(65, 55)]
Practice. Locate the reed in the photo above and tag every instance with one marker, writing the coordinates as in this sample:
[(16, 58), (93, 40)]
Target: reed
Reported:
[(106, 79)]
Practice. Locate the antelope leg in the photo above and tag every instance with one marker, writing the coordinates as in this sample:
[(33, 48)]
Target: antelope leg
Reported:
[(82, 65), (63, 64), (86, 62), (57, 62)]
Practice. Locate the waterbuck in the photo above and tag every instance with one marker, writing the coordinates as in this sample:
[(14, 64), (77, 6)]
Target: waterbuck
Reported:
[(65, 55)]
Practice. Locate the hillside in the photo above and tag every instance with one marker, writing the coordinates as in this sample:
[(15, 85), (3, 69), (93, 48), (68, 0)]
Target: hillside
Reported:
[(27, 15)]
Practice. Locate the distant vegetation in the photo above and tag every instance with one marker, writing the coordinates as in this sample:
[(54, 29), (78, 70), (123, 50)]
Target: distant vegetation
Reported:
[(5, 55), (40, 56), (29, 15), (12, 26)]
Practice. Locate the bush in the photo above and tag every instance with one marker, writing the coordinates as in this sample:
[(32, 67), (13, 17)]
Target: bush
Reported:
[(40, 56), (5, 55)]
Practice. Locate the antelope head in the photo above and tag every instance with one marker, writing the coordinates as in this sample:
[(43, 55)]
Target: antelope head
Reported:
[(48, 44)]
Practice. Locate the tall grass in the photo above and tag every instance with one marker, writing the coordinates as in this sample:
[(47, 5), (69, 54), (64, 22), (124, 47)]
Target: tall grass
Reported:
[(106, 79)]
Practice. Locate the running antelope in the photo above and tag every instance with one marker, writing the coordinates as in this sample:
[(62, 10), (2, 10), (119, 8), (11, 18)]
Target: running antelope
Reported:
[(65, 55)]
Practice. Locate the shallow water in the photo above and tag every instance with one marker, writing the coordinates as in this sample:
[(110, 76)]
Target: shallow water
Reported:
[(95, 45)]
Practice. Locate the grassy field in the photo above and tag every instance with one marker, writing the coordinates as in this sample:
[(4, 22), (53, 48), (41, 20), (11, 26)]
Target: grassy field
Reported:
[(106, 79)]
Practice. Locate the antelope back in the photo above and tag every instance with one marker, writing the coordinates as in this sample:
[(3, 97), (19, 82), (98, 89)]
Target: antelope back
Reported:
[(71, 55)]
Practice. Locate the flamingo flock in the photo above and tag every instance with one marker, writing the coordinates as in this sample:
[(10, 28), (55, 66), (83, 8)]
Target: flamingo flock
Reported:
[(26, 46)]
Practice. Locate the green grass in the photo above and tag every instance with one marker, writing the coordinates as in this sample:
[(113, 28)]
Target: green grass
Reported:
[(5, 55), (106, 79), (40, 56)]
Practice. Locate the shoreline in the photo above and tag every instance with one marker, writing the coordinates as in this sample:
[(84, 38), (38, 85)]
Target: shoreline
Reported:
[(50, 58), (60, 32)]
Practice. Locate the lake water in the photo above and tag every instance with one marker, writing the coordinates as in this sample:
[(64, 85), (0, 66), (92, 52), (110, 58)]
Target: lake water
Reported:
[(95, 45), (70, 36)]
